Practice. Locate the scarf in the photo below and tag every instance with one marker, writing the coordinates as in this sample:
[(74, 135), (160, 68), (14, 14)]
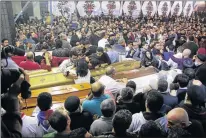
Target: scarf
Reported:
[(43, 117)]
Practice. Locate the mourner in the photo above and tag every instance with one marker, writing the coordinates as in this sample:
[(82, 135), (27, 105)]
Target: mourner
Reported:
[(140, 72)]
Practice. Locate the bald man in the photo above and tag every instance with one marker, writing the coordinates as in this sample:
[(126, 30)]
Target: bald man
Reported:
[(29, 64), (110, 84), (92, 105), (178, 117), (185, 56)]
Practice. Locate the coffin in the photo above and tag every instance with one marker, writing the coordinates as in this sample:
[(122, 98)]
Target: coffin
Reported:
[(60, 93), (44, 79)]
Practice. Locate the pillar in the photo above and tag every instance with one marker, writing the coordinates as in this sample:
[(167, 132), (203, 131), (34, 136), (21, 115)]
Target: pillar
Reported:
[(36, 9), (16, 6)]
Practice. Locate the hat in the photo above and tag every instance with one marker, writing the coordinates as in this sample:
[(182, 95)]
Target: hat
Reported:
[(126, 95), (196, 94), (188, 63), (201, 54), (72, 103)]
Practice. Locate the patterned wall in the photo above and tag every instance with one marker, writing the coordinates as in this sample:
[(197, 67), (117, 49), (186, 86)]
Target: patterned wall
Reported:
[(117, 8)]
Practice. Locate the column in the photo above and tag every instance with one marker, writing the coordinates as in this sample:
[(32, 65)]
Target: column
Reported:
[(16, 6), (36, 9)]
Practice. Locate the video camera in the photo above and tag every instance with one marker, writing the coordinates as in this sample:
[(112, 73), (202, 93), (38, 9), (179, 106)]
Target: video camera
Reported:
[(11, 75), (12, 50)]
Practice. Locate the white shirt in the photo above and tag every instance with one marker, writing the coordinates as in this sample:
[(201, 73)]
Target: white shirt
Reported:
[(9, 63), (66, 66), (85, 79), (110, 84), (102, 42), (137, 121), (30, 127), (171, 63)]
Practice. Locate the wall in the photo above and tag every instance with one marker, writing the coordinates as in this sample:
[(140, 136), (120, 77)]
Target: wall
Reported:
[(7, 21)]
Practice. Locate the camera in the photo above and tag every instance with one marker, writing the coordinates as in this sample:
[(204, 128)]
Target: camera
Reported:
[(11, 75), (12, 50)]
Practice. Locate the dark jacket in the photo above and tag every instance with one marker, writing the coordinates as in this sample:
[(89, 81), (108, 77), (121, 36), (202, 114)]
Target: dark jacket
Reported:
[(132, 107), (90, 50), (77, 133), (192, 46), (11, 125), (169, 100), (94, 39), (152, 116), (201, 74), (181, 94), (196, 113), (74, 40), (104, 59), (61, 52), (113, 135), (83, 119), (196, 129)]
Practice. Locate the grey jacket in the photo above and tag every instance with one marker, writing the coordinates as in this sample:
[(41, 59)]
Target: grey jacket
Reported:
[(102, 125), (66, 44)]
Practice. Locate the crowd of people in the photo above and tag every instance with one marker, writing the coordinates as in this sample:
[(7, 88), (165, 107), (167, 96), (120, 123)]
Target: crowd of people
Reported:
[(113, 108)]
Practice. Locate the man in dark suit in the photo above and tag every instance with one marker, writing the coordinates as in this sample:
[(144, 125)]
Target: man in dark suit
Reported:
[(94, 38), (183, 81), (191, 45), (169, 100), (65, 43), (200, 63)]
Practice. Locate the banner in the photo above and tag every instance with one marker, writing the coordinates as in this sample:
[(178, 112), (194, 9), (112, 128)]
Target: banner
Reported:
[(132, 8), (149, 8), (111, 8), (188, 9), (164, 8), (88, 8), (62, 8), (176, 8)]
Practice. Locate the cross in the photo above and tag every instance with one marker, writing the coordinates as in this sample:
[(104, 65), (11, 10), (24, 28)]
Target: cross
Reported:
[(42, 80)]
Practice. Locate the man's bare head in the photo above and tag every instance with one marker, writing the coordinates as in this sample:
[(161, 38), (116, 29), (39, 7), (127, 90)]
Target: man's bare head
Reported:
[(178, 116), (30, 56), (97, 89), (197, 82), (186, 53), (110, 71)]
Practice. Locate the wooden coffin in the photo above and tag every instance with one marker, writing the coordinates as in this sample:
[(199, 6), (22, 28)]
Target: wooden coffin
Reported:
[(60, 93), (44, 79), (136, 73)]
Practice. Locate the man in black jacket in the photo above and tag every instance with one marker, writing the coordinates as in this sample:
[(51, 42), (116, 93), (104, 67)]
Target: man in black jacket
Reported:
[(77, 116), (121, 122), (11, 121), (59, 51), (200, 62), (94, 38), (103, 56), (169, 100)]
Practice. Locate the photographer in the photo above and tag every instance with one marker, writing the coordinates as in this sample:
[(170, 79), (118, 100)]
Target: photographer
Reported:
[(4, 42), (6, 53), (11, 121)]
